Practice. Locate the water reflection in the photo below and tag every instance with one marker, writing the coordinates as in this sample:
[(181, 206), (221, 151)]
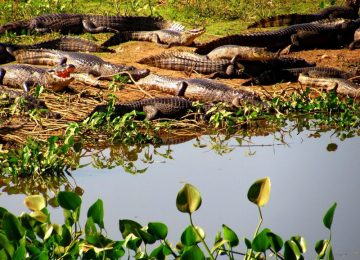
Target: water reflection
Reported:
[(309, 170)]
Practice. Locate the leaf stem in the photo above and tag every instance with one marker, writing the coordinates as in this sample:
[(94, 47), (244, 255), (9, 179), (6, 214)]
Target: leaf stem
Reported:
[(256, 232), (202, 240)]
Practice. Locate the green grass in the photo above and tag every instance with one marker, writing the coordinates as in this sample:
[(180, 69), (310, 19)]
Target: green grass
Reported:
[(220, 17)]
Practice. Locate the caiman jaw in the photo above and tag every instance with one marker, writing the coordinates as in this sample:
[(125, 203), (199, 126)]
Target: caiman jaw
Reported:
[(58, 79), (65, 73)]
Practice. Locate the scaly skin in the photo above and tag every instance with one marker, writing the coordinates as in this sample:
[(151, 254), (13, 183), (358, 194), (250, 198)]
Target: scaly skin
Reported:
[(341, 86), (154, 108), (284, 75), (349, 11), (356, 42), (26, 76), (83, 62), (203, 90), (281, 38), (171, 37), (241, 52), (80, 23), (191, 62)]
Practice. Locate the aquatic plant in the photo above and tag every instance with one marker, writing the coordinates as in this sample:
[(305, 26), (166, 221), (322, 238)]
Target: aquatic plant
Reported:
[(33, 235)]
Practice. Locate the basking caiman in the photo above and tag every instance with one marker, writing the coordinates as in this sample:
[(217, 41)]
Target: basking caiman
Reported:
[(80, 23), (241, 52), (84, 63), (191, 62), (349, 11), (341, 86), (26, 76), (285, 75), (65, 43), (173, 36), (204, 90), (154, 108), (311, 35)]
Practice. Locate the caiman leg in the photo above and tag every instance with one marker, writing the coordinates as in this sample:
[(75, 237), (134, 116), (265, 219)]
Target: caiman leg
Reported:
[(156, 39), (151, 112), (181, 89), (90, 27)]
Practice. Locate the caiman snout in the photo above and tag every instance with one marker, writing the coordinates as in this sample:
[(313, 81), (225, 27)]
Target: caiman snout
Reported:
[(137, 74)]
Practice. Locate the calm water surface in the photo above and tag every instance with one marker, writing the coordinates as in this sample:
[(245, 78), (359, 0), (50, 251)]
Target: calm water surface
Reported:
[(306, 180)]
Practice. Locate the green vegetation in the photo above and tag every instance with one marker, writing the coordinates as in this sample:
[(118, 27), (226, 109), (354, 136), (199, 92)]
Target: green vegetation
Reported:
[(34, 236)]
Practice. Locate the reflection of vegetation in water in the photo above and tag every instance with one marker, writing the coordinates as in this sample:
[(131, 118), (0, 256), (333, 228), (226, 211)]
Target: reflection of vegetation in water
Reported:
[(33, 235)]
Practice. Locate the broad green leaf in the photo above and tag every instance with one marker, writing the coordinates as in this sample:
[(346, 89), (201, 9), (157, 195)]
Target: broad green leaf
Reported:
[(20, 253), (300, 242), (320, 248), (261, 242), (12, 227), (291, 250), (230, 236), (69, 200), (259, 192), (3, 254), (188, 199), (91, 233), (66, 236), (160, 252), (96, 211), (128, 226), (189, 236), (193, 253), (6, 245), (35, 202), (133, 243), (247, 243), (329, 216), (146, 237), (276, 243), (157, 229)]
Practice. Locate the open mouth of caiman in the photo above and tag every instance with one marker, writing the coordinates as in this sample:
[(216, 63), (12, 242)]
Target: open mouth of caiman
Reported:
[(60, 77)]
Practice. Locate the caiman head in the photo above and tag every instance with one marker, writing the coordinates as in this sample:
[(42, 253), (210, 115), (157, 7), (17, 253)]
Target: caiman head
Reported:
[(59, 78), (188, 37)]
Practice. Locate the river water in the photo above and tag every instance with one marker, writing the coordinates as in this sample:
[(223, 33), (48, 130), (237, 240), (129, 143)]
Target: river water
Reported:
[(306, 179)]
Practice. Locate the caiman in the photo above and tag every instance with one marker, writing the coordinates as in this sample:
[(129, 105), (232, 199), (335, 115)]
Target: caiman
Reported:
[(26, 76), (191, 62), (154, 108), (203, 90), (83, 62), (349, 11), (320, 35), (285, 75), (173, 36), (80, 23), (65, 43), (241, 52), (341, 86)]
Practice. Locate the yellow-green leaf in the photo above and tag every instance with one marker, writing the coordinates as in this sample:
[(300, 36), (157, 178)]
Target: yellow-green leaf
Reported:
[(259, 192), (39, 216), (35, 202), (188, 199)]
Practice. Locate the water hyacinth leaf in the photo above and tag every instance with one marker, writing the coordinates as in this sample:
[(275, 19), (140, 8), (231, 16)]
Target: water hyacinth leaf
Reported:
[(66, 236), (261, 242), (291, 250), (96, 211), (12, 227), (69, 200), (188, 199), (35, 202), (193, 253), (20, 253), (259, 192), (157, 229), (329, 216), (39, 216), (6, 245), (219, 245), (160, 252), (91, 233), (128, 226), (247, 243), (230, 236), (276, 242), (320, 248), (146, 237), (48, 229), (189, 236), (300, 242)]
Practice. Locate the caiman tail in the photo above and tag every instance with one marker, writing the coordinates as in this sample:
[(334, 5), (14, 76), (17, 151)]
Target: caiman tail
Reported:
[(15, 27), (284, 19)]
